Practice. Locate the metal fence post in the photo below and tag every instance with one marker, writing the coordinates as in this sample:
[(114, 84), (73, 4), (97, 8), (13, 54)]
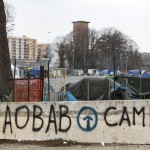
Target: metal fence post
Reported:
[(14, 80), (114, 75), (42, 78), (48, 82), (28, 86)]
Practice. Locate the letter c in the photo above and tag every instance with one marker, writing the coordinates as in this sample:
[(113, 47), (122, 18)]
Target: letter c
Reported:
[(105, 115)]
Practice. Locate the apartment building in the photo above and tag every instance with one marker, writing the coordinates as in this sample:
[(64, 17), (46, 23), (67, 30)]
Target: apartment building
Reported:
[(42, 51), (22, 48)]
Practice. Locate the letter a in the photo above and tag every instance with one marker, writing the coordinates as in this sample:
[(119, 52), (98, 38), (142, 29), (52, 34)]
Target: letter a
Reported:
[(7, 122)]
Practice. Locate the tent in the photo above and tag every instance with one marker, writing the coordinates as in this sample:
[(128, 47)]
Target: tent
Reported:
[(117, 72), (95, 88), (145, 74), (139, 73), (137, 86), (105, 72), (134, 73)]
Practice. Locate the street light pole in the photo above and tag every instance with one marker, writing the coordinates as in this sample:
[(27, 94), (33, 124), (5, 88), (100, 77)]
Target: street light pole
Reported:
[(114, 73), (73, 59), (126, 78), (48, 59), (48, 54), (48, 36)]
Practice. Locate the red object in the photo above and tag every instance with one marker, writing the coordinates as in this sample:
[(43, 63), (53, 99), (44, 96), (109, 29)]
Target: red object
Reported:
[(28, 90)]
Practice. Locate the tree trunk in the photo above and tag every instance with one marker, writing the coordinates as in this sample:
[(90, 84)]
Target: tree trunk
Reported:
[(5, 66)]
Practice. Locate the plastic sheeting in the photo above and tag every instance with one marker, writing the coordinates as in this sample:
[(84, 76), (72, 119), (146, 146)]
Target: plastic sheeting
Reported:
[(36, 71), (95, 88), (137, 86)]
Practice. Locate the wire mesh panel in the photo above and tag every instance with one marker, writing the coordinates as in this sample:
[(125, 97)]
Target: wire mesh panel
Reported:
[(59, 78), (28, 90)]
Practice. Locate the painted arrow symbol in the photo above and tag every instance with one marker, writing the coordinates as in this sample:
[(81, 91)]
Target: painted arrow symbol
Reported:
[(88, 118)]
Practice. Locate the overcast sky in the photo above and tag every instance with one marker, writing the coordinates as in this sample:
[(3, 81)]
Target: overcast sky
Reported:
[(35, 18)]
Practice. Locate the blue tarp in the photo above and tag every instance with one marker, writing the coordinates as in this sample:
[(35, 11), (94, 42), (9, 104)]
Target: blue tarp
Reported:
[(46, 91), (105, 72), (36, 71), (142, 73), (109, 72), (134, 73), (70, 96), (145, 75), (116, 72)]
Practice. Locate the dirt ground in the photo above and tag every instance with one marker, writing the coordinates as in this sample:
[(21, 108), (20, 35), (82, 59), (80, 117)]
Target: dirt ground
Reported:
[(50, 143), (64, 145)]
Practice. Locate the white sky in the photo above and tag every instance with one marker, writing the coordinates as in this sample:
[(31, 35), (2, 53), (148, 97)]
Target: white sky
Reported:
[(35, 18)]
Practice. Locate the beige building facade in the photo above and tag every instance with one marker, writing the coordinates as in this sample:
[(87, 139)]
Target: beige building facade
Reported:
[(42, 51), (22, 48)]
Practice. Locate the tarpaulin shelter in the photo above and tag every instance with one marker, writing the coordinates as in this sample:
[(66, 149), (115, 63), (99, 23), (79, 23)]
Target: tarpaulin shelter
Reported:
[(145, 74), (134, 73), (95, 88), (117, 72), (142, 73), (105, 72), (137, 86)]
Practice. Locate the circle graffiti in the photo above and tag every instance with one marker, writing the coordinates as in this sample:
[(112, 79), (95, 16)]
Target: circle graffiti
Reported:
[(88, 119)]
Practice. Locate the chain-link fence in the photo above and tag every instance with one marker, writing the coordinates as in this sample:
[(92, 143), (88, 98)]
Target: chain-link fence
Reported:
[(43, 83), (28, 74), (52, 87), (58, 79)]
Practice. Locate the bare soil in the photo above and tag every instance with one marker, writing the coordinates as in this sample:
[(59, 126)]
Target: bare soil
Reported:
[(48, 143)]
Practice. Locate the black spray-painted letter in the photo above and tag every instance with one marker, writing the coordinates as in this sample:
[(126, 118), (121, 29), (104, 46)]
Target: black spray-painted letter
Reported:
[(52, 110), (9, 121), (105, 117), (16, 116), (37, 116), (138, 113), (125, 113), (64, 114)]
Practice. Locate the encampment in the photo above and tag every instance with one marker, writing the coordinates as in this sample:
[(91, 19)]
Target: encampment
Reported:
[(139, 73)]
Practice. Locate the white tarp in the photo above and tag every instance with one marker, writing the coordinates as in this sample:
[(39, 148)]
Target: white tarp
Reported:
[(17, 74)]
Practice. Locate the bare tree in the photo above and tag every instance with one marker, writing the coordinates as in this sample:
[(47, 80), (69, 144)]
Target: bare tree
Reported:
[(69, 49), (103, 45), (5, 65), (60, 45), (10, 16), (114, 43), (134, 57), (65, 51), (93, 50)]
